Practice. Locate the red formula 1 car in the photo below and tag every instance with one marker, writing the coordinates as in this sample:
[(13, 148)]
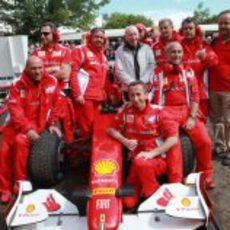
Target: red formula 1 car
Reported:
[(173, 206)]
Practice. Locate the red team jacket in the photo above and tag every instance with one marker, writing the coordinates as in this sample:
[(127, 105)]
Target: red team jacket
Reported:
[(220, 74), (31, 105), (175, 86), (94, 62), (190, 58), (55, 57), (146, 126), (159, 48)]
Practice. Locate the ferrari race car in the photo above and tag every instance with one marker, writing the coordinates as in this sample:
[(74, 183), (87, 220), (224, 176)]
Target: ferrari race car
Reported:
[(173, 206)]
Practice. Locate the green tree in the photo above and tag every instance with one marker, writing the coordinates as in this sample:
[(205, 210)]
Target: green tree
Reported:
[(26, 16), (203, 15), (118, 20)]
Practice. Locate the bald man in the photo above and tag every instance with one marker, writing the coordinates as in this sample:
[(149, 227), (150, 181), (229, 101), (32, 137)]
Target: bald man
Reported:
[(31, 99), (134, 60), (176, 89)]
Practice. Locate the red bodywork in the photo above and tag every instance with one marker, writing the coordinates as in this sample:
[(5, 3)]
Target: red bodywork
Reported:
[(104, 208)]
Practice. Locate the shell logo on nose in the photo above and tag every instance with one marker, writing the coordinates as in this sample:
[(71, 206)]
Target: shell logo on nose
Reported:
[(186, 202), (30, 208), (105, 167)]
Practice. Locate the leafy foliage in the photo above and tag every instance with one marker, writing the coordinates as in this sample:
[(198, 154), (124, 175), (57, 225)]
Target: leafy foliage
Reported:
[(118, 20), (26, 16), (203, 16)]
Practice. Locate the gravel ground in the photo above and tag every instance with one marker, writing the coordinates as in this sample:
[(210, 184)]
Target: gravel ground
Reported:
[(221, 194)]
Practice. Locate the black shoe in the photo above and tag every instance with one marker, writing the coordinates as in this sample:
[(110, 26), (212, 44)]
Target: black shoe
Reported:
[(218, 155), (226, 160)]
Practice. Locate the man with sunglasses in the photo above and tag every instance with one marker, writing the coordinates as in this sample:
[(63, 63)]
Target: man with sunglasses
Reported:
[(57, 62), (89, 58)]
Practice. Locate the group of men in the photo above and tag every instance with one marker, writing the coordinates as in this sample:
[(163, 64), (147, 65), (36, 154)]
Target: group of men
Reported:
[(163, 89)]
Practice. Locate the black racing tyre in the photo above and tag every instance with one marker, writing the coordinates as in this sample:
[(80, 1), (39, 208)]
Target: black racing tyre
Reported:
[(44, 168), (188, 154), (3, 225)]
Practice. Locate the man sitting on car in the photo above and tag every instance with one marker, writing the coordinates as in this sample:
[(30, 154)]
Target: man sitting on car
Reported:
[(31, 103), (176, 88), (139, 126)]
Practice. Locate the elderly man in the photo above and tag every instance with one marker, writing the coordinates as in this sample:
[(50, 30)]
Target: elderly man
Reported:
[(32, 106), (91, 59), (167, 35), (57, 62), (175, 88), (134, 60), (200, 56), (219, 86), (139, 126)]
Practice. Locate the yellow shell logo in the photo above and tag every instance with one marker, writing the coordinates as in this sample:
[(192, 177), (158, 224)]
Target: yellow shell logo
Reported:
[(105, 167), (185, 202), (30, 208)]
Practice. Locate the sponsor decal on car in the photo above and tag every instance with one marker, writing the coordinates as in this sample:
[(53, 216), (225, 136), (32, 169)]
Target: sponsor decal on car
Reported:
[(165, 198), (103, 204), (104, 191), (186, 202), (105, 167), (30, 208), (51, 204)]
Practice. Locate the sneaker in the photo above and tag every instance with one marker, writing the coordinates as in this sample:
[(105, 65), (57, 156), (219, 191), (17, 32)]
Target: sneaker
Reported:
[(5, 197), (226, 160), (210, 185), (218, 155)]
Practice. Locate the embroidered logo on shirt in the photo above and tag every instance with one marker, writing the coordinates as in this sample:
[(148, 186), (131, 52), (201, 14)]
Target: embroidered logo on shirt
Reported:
[(89, 54), (151, 119), (22, 93), (189, 73), (158, 52), (57, 53), (165, 81), (41, 53), (50, 89), (130, 118)]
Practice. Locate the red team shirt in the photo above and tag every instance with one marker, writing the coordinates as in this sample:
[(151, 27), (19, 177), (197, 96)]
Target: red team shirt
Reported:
[(55, 57), (175, 87), (146, 126), (220, 74)]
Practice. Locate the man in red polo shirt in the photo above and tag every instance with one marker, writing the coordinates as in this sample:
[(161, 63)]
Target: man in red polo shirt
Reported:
[(91, 60), (167, 35), (32, 107), (200, 56), (175, 88), (57, 62), (139, 126), (219, 86)]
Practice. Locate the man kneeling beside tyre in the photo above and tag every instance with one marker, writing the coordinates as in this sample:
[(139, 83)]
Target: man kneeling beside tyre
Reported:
[(32, 106)]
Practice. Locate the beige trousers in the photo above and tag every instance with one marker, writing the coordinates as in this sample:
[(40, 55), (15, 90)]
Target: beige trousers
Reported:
[(219, 112)]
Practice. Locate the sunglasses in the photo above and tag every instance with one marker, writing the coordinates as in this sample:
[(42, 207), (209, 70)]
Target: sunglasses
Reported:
[(45, 33)]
